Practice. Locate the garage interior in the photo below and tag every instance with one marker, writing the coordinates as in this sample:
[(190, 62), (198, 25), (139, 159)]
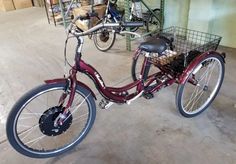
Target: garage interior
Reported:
[(146, 131)]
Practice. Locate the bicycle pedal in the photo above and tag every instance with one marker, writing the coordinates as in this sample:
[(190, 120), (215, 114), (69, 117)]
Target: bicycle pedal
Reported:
[(104, 104), (148, 95)]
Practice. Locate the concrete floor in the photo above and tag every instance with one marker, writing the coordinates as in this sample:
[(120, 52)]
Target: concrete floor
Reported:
[(144, 132)]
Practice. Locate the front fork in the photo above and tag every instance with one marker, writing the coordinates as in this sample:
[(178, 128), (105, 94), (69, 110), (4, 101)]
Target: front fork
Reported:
[(70, 90)]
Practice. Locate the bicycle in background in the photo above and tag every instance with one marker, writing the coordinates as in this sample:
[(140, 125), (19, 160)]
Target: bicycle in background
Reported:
[(104, 39)]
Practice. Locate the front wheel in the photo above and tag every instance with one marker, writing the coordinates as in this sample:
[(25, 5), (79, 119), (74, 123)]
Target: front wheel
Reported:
[(201, 87), (105, 37), (31, 128), (154, 21)]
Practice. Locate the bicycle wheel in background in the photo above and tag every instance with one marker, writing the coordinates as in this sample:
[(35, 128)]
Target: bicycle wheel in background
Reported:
[(113, 1), (135, 19), (104, 38), (31, 128), (201, 87), (153, 23)]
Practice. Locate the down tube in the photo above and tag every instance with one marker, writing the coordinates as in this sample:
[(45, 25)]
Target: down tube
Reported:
[(99, 83)]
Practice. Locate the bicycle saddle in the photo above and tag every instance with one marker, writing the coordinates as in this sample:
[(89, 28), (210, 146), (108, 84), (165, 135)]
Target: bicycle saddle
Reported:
[(154, 45)]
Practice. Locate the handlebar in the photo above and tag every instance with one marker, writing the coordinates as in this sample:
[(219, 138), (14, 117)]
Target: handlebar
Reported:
[(132, 24), (104, 25), (78, 33)]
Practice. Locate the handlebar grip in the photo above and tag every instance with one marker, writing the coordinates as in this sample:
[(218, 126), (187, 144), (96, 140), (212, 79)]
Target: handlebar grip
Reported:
[(132, 24)]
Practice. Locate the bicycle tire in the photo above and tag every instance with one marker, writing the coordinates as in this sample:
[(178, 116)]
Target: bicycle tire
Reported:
[(134, 70), (23, 144), (98, 35), (137, 66), (195, 106)]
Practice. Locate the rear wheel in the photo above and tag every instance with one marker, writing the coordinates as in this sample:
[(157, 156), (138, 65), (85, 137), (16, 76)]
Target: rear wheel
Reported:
[(201, 87), (105, 37), (31, 127), (137, 64)]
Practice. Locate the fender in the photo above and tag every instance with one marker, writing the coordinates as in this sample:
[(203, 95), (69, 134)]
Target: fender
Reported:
[(63, 80), (183, 77)]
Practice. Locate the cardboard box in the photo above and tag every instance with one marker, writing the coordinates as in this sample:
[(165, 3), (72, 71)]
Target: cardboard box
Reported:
[(38, 3), (53, 2), (20, 4), (85, 2), (86, 24), (6, 5)]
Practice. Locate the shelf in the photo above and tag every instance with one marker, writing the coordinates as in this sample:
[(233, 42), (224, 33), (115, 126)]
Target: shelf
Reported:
[(54, 8)]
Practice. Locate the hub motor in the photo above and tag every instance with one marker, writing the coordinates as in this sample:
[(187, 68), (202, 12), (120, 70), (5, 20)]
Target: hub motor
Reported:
[(46, 122), (104, 36)]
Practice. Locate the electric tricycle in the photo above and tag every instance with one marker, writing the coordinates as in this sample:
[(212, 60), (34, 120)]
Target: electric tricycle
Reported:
[(57, 115)]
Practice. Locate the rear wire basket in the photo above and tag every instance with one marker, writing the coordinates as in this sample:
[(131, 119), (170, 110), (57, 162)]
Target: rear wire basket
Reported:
[(188, 44)]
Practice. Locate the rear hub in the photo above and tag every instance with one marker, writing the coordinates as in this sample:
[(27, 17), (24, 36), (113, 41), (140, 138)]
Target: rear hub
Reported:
[(104, 36), (46, 122), (205, 88)]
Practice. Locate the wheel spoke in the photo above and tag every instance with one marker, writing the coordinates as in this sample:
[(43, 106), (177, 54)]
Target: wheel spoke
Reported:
[(36, 140), (83, 115), (78, 106), (197, 97), (75, 100), (28, 131), (193, 95), (211, 71), (76, 109)]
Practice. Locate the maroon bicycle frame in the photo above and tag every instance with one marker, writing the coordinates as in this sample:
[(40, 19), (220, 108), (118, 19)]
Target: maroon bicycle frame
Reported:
[(110, 93)]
